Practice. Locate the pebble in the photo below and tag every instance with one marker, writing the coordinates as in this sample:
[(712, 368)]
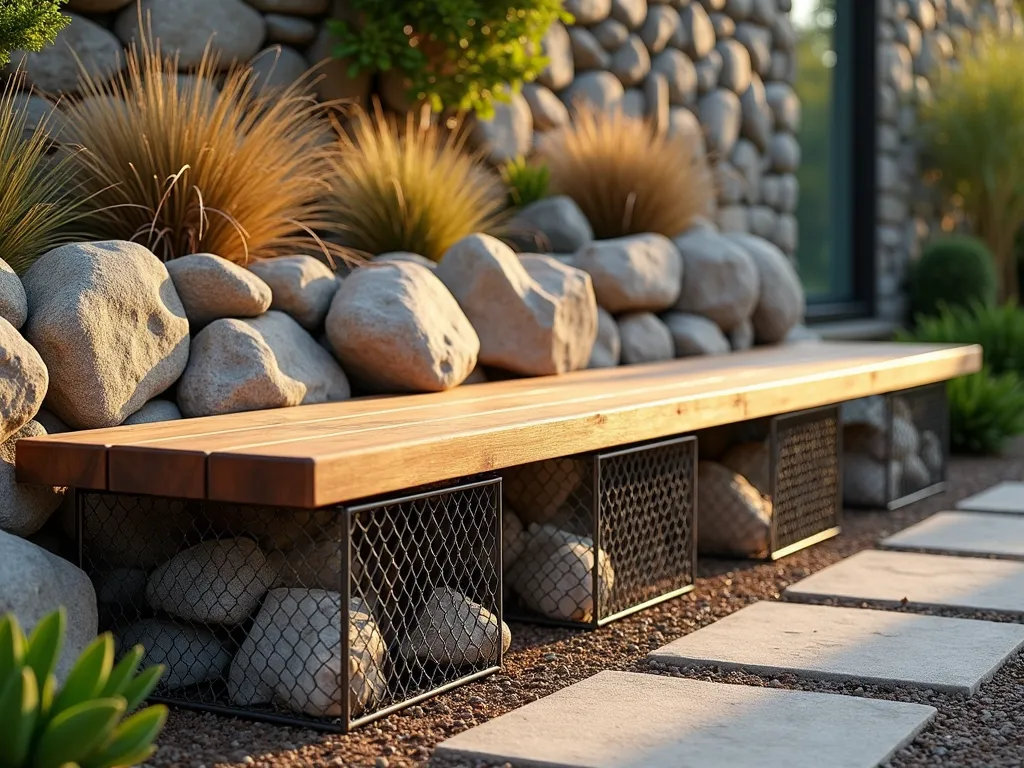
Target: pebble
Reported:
[(381, 762)]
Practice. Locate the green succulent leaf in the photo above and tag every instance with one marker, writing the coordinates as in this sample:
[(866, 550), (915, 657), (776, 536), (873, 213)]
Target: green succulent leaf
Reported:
[(89, 675), (131, 742), (44, 644), (19, 710), (138, 689), (12, 646), (123, 673), (77, 731)]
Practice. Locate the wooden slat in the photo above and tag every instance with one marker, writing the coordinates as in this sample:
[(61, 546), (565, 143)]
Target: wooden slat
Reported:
[(318, 455)]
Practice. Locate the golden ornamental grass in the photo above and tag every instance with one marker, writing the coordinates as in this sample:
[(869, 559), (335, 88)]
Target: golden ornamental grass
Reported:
[(39, 201), (626, 175), (410, 188), (181, 167)]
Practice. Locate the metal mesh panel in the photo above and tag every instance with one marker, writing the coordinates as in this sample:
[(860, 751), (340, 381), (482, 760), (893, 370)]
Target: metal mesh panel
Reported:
[(807, 477), (633, 507), (329, 618), (896, 447)]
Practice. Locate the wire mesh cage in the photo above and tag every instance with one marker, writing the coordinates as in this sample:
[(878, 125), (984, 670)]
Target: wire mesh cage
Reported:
[(617, 524), (770, 487), (326, 618), (896, 447)]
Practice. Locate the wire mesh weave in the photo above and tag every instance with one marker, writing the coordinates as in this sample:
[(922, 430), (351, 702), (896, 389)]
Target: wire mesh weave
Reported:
[(258, 611), (634, 508)]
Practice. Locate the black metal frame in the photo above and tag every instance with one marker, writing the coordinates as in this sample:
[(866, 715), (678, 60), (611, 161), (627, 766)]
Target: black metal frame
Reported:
[(347, 512), (597, 522)]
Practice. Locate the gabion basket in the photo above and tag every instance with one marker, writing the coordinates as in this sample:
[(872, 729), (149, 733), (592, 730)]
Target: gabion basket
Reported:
[(254, 611), (896, 447), (616, 524), (770, 487)]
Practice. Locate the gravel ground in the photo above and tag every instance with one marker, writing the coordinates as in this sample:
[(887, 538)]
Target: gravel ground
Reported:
[(985, 731)]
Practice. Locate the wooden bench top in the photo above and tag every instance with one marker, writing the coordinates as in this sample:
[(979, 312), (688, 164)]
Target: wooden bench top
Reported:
[(316, 455)]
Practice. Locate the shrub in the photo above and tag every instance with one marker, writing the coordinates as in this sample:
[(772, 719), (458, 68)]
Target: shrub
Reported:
[(956, 271), (83, 723), (526, 182), (626, 175), (416, 189), (182, 167), (973, 135), (28, 25), (461, 54), (985, 409), (38, 200)]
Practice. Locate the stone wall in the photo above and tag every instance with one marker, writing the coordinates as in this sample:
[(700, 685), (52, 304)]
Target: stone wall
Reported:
[(914, 38)]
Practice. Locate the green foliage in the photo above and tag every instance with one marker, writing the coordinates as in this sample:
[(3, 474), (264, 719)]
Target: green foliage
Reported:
[(83, 724), (39, 197), (973, 137), (526, 182), (956, 271), (28, 25), (461, 54)]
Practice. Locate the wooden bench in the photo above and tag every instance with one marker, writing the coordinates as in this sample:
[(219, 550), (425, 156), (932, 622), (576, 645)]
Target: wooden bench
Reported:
[(400, 492)]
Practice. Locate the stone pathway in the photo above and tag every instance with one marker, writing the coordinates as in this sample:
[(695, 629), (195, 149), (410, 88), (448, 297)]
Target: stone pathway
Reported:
[(891, 579), (629, 720), (964, 533), (1007, 498)]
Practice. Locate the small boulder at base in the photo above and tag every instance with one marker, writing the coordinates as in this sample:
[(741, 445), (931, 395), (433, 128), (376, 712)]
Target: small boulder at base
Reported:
[(396, 328), (607, 349), (695, 335), (13, 302), (34, 583), (302, 287), (23, 381), (780, 305), (452, 630), (110, 327), (154, 411), (734, 519), (211, 288), (720, 280), (556, 223), (24, 508), (216, 582), (292, 655), (533, 315), (190, 654), (645, 339), (640, 273), (265, 362)]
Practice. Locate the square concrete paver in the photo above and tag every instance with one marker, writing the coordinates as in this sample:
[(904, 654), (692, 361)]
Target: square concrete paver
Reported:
[(1007, 498), (890, 578), (827, 643), (630, 720), (964, 533)]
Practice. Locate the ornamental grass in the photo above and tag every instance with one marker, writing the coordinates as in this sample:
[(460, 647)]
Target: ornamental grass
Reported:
[(181, 166), (627, 175)]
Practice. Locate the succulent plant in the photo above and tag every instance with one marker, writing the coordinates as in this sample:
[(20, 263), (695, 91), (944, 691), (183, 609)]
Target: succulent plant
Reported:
[(82, 724)]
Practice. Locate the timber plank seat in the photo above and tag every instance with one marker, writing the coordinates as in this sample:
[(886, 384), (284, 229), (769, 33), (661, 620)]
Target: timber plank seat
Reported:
[(317, 455)]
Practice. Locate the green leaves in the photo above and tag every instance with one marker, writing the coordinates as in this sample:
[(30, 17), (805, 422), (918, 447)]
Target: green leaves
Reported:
[(79, 725), (29, 25), (527, 183)]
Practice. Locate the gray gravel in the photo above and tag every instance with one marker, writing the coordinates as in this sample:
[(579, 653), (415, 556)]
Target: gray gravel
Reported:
[(987, 730)]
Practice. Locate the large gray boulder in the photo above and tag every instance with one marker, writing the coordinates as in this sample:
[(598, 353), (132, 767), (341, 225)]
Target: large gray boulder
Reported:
[(82, 44), (453, 630), (644, 338), (13, 303), (266, 362), (781, 303), (211, 288), (191, 654), (23, 381), (533, 315), (396, 328), (508, 134), (695, 335), (720, 280), (607, 349), (34, 583), (110, 327), (302, 287), (633, 274), (24, 509), (558, 220)]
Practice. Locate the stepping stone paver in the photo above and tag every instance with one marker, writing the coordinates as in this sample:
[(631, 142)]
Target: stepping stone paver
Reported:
[(868, 646), (890, 578), (964, 533), (1007, 498), (631, 720)]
